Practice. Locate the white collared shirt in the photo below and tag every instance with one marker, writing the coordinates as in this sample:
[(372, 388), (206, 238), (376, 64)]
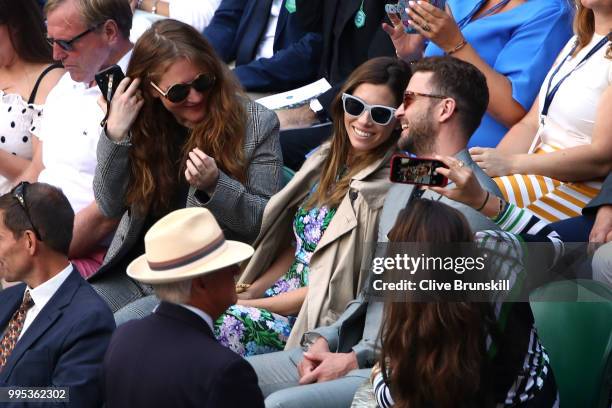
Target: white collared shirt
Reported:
[(200, 313), (70, 129), (266, 44), (42, 294)]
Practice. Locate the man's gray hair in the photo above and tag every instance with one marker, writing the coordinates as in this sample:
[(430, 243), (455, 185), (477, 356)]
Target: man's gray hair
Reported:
[(96, 12), (175, 292)]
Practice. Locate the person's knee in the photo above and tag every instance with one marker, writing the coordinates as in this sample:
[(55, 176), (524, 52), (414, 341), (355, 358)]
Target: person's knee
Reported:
[(602, 264)]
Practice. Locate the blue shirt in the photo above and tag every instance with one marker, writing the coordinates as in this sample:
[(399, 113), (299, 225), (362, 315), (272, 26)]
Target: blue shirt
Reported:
[(521, 43)]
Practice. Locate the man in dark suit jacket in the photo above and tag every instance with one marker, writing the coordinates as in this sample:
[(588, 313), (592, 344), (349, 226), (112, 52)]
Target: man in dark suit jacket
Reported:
[(171, 357), (55, 328), (237, 30)]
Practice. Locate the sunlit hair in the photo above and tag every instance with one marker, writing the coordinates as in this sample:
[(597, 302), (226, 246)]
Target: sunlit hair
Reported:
[(26, 28), (154, 134), (584, 28), (94, 12), (334, 182), (433, 353)]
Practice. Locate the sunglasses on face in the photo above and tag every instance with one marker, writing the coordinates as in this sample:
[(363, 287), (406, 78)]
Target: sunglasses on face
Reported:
[(19, 195), (68, 45), (380, 114), (178, 92), (410, 96)]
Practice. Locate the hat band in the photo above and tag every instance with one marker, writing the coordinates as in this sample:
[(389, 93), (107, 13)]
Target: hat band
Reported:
[(189, 258)]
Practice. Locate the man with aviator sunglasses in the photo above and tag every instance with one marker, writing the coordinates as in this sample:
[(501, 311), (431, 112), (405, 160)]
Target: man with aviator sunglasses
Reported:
[(86, 38)]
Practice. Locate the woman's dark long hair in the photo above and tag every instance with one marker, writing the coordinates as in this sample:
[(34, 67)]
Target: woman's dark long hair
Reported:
[(27, 30), (433, 353), (220, 135), (387, 71)]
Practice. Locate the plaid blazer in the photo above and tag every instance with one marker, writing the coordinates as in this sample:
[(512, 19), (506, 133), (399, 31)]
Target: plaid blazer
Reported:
[(237, 207)]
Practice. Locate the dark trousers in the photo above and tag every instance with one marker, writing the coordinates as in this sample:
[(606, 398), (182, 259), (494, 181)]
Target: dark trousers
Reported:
[(297, 143)]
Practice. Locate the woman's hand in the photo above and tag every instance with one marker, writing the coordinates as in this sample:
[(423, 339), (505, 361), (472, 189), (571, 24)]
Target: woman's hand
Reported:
[(494, 162), (124, 109), (406, 45), (467, 188), (201, 172), (434, 24)]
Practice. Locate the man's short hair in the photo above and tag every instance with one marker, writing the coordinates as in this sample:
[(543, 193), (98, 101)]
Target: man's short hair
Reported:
[(49, 210), (461, 81), (96, 12), (174, 292)]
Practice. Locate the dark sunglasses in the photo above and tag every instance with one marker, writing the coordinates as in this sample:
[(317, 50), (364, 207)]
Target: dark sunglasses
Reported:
[(381, 115), (410, 96), (178, 92), (67, 45), (19, 194)]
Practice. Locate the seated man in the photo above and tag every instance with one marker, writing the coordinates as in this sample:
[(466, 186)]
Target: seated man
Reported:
[(435, 120), (171, 357), (55, 327), (271, 50), (86, 37)]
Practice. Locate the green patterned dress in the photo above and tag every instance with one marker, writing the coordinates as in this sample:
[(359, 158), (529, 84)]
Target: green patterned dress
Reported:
[(250, 330)]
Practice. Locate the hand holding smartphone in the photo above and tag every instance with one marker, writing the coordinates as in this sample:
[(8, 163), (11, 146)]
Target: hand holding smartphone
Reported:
[(400, 7), (417, 170)]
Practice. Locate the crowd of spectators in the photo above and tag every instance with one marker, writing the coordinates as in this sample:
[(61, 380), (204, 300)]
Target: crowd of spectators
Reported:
[(180, 244)]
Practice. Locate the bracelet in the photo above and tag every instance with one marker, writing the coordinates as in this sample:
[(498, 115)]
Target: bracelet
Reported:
[(154, 7), (462, 44), (485, 202)]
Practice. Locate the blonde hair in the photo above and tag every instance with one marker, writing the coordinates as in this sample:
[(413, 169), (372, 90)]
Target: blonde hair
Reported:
[(95, 12)]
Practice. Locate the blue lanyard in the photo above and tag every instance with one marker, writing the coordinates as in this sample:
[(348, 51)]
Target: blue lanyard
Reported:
[(550, 93), (467, 19)]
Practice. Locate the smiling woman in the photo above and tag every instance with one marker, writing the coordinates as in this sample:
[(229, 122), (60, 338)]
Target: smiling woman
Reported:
[(316, 231)]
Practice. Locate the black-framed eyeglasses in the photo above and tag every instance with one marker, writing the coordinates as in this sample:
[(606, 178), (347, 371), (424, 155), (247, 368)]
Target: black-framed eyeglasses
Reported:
[(178, 92), (380, 114), (410, 96), (19, 194), (68, 45)]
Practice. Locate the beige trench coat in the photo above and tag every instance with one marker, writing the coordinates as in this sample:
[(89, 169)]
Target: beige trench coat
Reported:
[(336, 272)]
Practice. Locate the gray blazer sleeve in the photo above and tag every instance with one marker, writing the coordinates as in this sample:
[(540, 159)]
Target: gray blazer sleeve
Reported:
[(239, 207), (112, 176), (603, 198)]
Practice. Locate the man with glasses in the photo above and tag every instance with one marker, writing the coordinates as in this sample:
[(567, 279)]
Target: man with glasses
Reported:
[(54, 328), (86, 37), (443, 105)]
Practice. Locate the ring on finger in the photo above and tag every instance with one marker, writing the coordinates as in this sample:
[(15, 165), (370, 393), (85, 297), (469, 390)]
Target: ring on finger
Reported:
[(426, 27)]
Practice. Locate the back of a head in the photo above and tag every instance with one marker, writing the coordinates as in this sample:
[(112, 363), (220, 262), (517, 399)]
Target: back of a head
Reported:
[(26, 27), (461, 81), (95, 12), (49, 211)]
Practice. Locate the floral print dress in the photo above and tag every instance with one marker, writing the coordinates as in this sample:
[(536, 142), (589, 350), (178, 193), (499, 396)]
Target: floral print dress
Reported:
[(250, 330)]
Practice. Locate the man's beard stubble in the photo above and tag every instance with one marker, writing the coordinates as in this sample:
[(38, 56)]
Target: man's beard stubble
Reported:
[(421, 136)]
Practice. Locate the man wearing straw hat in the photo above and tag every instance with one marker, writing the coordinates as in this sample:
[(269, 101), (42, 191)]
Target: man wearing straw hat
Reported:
[(171, 357)]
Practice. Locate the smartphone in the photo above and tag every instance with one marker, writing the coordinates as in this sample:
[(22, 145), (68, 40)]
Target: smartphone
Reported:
[(400, 9), (417, 170), (108, 80)]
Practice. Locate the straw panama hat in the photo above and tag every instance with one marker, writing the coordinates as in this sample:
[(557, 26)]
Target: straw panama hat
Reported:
[(183, 245)]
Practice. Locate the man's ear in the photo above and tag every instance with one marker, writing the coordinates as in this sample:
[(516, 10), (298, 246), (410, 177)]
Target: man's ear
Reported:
[(110, 29), (30, 242), (448, 109)]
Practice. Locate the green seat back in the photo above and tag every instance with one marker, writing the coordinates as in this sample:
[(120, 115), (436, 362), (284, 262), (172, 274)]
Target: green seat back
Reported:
[(578, 338), (287, 175)]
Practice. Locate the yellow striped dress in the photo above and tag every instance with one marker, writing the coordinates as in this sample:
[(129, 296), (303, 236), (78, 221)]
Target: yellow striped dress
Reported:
[(569, 123)]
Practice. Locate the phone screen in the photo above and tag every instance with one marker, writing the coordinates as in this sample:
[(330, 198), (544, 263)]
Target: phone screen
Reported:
[(414, 170), (400, 9)]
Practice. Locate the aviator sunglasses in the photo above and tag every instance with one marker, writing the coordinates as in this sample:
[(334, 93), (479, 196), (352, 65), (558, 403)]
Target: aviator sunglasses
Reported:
[(178, 92), (380, 114), (19, 194)]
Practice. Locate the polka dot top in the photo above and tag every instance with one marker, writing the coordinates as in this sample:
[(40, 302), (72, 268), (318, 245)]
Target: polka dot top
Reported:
[(18, 119)]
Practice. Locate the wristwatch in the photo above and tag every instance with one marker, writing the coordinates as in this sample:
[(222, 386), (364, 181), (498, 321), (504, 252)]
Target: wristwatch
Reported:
[(318, 110), (308, 340)]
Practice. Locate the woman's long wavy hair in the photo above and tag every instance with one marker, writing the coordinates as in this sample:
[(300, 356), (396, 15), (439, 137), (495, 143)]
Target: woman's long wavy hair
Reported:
[(584, 28), (26, 26), (433, 353), (154, 133), (334, 182)]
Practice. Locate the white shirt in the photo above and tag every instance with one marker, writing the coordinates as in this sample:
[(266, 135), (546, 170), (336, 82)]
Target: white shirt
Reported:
[(69, 132), (41, 296), (266, 45), (200, 313)]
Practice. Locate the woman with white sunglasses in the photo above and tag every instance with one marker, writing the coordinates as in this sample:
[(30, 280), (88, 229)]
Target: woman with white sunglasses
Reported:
[(317, 231)]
